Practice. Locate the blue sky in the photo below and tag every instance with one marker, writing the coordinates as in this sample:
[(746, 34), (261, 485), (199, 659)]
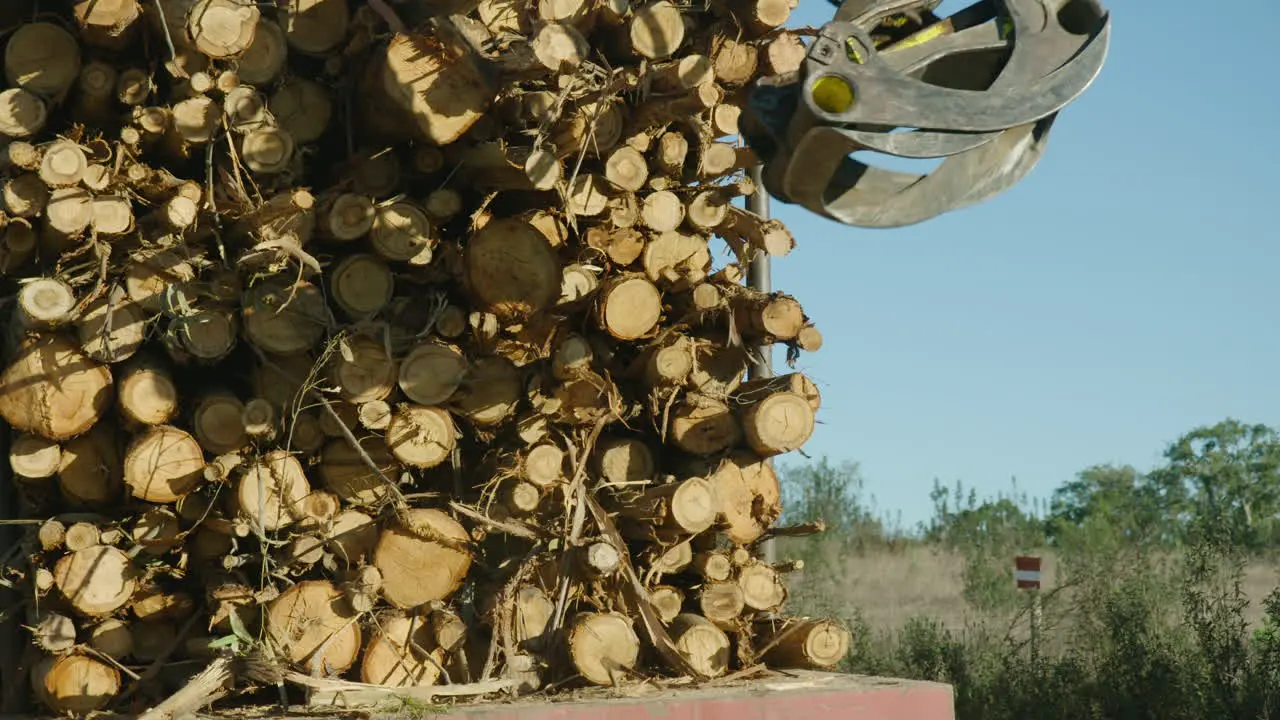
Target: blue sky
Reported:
[(1124, 292)]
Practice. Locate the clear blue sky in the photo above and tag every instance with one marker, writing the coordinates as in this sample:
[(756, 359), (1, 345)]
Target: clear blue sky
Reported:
[(1126, 291)]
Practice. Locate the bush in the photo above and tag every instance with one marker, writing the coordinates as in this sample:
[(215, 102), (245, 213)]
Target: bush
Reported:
[(1143, 620)]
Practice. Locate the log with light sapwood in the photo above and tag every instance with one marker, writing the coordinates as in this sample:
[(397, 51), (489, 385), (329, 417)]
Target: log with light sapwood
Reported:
[(603, 647), (431, 79), (42, 58), (362, 370), (112, 638), (701, 643), (302, 108), (510, 269), (762, 586), (783, 54), (314, 628), (715, 566), (423, 557), (33, 458), (270, 489), (667, 601), (776, 317), (402, 653), (90, 472), (75, 684), (722, 603), (704, 425), (750, 230), (145, 393), (222, 28), (420, 436), (162, 464), (51, 389), (623, 246), (678, 508), (814, 644), (778, 414), (22, 113), (629, 307), (748, 493), (81, 536)]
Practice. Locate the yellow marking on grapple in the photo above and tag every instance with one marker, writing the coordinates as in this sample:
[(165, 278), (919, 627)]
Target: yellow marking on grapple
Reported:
[(832, 94)]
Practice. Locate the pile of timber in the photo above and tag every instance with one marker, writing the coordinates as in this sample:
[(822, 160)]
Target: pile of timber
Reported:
[(366, 348)]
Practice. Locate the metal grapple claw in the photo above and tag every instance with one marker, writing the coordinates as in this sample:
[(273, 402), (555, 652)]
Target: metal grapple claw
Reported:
[(980, 89)]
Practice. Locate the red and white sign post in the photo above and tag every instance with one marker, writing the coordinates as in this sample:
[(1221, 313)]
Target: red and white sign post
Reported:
[(1026, 572)]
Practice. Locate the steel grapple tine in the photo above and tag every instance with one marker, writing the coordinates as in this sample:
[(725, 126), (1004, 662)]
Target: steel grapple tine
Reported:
[(1043, 46)]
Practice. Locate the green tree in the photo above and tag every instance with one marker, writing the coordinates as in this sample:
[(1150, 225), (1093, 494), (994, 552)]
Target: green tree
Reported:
[(1225, 479)]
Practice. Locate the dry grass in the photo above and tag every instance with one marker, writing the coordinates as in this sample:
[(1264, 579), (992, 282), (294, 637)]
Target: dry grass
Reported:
[(891, 586)]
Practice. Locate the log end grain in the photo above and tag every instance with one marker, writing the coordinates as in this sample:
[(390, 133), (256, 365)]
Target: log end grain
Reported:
[(314, 627), (423, 559), (53, 390)]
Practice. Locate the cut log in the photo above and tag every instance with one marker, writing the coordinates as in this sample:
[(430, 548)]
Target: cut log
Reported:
[(222, 28), (91, 472), (762, 587), (657, 30), (54, 633), (112, 638), (662, 211), (314, 628), (96, 581), (302, 108), (25, 195), (45, 303), (74, 684), (68, 215), (511, 270), (52, 389), (817, 644), (363, 371), (489, 393), (267, 150), (748, 492), (32, 457), (708, 209), (22, 113), (431, 373), (206, 335), (603, 647), (42, 58), (218, 423), (422, 559), (774, 317), (348, 217), (108, 24), (402, 232), (163, 464), (722, 603), (421, 436), (666, 601), (778, 414), (674, 559), (81, 536), (133, 86), (156, 532), (259, 420), (783, 54), (402, 653), (714, 566), (735, 62), (679, 76), (629, 307), (675, 509), (702, 425), (435, 81), (271, 489), (283, 317), (626, 169), (623, 461), (146, 394), (352, 537), (675, 260), (701, 643), (624, 246), (362, 588), (264, 59), (112, 214), (588, 196), (63, 165)]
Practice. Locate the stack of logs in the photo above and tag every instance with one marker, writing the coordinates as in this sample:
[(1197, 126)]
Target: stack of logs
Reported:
[(381, 345)]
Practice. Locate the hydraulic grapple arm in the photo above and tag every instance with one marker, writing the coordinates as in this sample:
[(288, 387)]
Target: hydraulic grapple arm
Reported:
[(979, 89)]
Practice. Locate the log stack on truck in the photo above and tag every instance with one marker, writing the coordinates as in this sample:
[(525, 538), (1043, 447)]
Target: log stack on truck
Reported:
[(377, 350)]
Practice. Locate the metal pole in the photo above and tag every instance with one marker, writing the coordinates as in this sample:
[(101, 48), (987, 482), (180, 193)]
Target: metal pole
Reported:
[(760, 277)]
